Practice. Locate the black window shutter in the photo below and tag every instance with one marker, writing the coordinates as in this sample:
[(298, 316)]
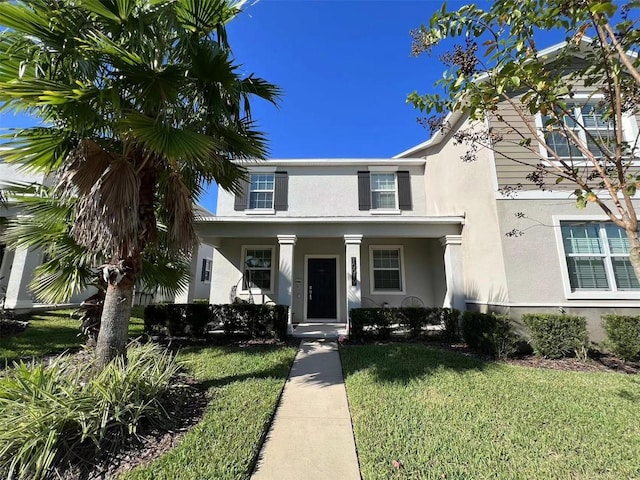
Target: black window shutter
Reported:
[(241, 198), (364, 191), (404, 190), (281, 200), (204, 268)]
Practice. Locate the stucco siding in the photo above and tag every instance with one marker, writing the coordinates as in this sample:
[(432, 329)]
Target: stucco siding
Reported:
[(330, 191), (455, 187)]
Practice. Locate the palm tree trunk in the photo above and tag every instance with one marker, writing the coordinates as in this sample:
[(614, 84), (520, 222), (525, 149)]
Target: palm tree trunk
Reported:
[(114, 328)]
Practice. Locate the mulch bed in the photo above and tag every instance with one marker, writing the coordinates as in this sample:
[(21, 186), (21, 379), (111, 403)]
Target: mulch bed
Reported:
[(10, 327)]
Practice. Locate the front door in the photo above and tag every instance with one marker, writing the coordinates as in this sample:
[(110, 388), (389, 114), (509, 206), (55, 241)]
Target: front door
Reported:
[(321, 288)]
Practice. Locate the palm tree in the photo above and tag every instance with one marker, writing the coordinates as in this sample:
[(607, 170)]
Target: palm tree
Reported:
[(142, 106)]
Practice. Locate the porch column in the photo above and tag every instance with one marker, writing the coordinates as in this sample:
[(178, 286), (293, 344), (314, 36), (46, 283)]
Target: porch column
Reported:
[(285, 275), (453, 271), (187, 294), (354, 274), (24, 263)]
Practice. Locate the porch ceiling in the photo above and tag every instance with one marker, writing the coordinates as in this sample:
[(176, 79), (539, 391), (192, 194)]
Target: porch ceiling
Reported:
[(211, 229)]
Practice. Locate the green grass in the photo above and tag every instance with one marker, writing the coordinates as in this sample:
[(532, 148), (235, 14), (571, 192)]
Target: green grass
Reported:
[(445, 415), (245, 384), (53, 332)]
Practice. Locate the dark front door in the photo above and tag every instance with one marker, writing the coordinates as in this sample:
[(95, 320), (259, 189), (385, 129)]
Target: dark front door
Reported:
[(321, 288)]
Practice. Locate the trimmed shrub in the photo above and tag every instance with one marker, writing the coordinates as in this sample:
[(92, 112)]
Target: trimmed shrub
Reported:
[(489, 333), (557, 335), (623, 335), (69, 409), (256, 321), (450, 319), (381, 323)]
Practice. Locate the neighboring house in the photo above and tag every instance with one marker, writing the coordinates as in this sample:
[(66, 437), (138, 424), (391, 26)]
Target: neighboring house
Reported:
[(328, 235), (568, 259), (16, 267)]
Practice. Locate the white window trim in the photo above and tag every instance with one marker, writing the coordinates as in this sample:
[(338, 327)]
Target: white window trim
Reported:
[(262, 211), (385, 211), (629, 129), (210, 263), (256, 290), (403, 284), (592, 294)]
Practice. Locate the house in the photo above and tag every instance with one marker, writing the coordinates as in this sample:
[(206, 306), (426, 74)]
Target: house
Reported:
[(328, 235), (17, 266)]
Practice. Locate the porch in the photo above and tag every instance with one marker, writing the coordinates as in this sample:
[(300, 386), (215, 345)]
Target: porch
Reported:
[(322, 270)]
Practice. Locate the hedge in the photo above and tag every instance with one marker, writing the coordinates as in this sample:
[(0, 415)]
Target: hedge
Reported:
[(557, 335), (490, 334), (623, 335), (411, 322), (197, 319)]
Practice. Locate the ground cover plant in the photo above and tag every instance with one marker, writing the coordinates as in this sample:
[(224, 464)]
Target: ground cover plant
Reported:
[(441, 414), (52, 332), (244, 384)]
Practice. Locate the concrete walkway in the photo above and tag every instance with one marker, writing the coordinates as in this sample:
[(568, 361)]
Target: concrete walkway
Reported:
[(311, 436)]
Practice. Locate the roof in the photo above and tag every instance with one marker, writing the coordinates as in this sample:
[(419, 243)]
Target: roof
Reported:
[(452, 118)]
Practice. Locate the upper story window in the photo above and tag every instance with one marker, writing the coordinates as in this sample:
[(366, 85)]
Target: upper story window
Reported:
[(597, 256), (264, 192), (384, 191), (589, 126), (261, 189)]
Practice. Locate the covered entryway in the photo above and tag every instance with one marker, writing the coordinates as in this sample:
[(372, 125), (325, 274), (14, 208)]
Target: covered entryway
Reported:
[(321, 288)]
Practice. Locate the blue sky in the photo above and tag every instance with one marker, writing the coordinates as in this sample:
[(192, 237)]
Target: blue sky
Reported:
[(345, 68)]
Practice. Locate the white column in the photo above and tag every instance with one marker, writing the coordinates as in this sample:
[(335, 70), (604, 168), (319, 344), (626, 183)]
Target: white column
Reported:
[(455, 297), (354, 274), (187, 294), (24, 263), (285, 275)]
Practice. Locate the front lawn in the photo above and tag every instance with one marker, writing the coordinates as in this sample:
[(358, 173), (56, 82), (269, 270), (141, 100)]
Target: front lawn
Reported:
[(53, 332), (245, 384), (444, 415)]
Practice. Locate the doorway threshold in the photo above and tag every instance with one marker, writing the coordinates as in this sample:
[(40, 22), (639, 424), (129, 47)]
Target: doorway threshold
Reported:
[(320, 330)]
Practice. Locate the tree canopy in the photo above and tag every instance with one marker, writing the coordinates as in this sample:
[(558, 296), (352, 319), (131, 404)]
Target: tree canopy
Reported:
[(585, 93), (142, 105)]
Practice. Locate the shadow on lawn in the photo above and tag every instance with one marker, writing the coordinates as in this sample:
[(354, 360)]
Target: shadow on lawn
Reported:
[(400, 363), (279, 370)]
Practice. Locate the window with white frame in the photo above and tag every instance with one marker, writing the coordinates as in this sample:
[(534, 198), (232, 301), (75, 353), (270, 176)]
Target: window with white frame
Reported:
[(258, 268), (207, 265), (589, 126), (261, 189), (384, 191), (386, 269), (597, 255)]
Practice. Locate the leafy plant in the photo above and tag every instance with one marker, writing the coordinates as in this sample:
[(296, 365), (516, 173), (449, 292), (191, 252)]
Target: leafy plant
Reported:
[(49, 411), (489, 333), (623, 335), (557, 335)]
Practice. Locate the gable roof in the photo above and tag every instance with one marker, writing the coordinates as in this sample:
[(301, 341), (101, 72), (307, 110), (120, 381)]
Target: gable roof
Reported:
[(547, 54)]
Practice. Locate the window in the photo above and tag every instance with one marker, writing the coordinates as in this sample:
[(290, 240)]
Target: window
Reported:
[(597, 255), (383, 191), (265, 192), (207, 265), (386, 269), (588, 124), (261, 189), (258, 271)]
